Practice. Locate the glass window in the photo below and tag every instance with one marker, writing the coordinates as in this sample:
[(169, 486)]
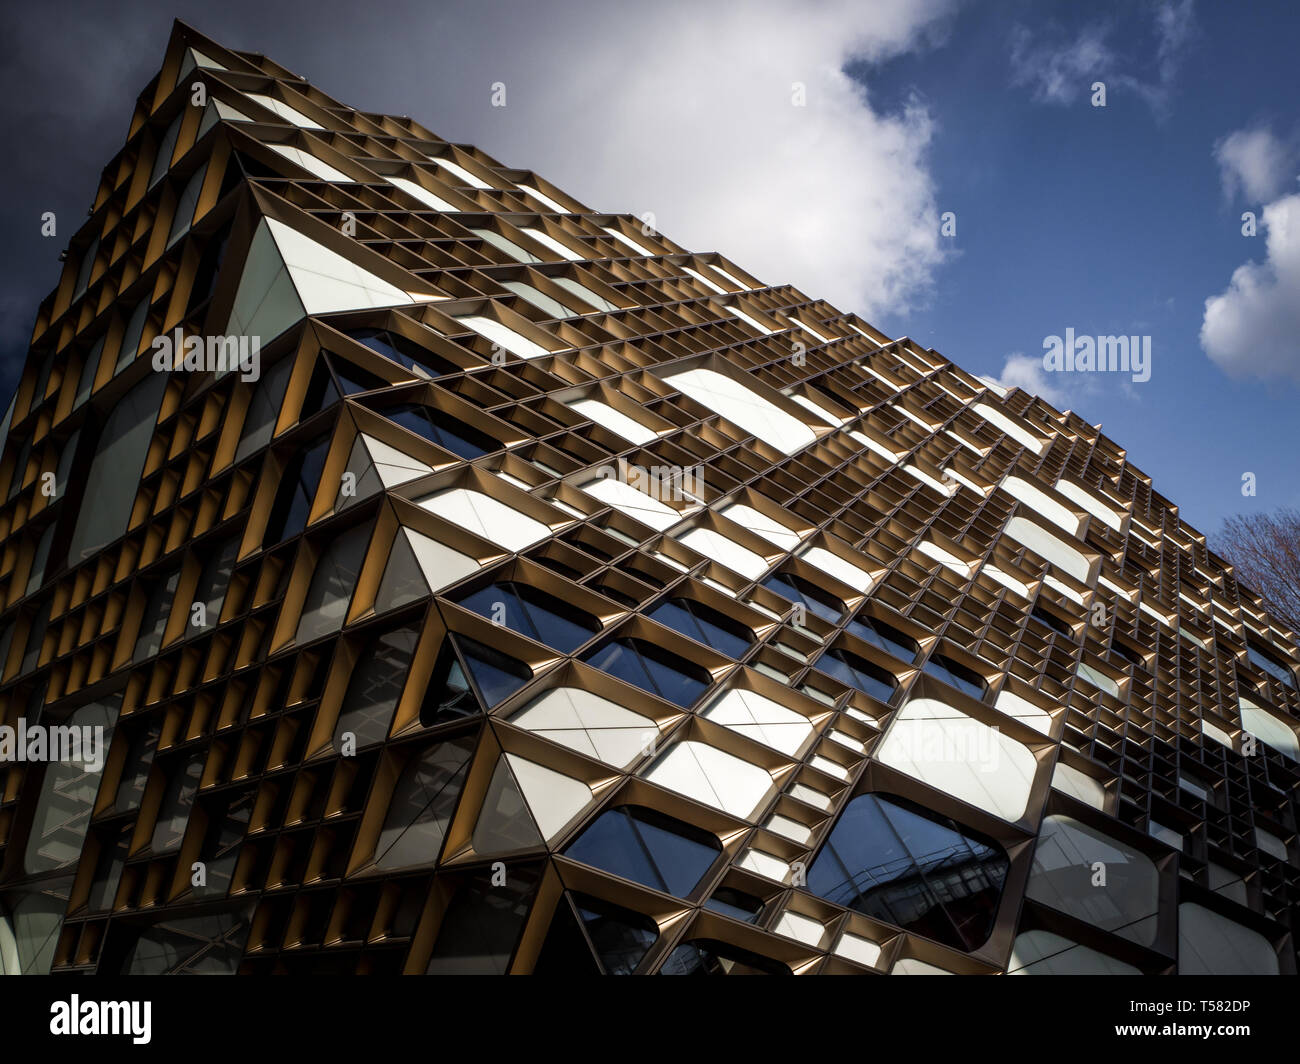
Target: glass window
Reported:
[(1063, 878), (800, 591), (446, 431), (297, 487), (957, 675), (422, 805), (534, 614), (1267, 664), (884, 637), (468, 678), (332, 584), (69, 787), (705, 625), (647, 847), (197, 945), (735, 903), (405, 352), (588, 723), (620, 937), (652, 669), (483, 923), (898, 862), (114, 475), (174, 816), (375, 687), (857, 672)]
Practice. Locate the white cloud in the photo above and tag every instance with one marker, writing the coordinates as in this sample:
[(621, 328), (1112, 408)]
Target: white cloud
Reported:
[(688, 115), (1026, 372), (1254, 164), (1250, 328), (1061, 69)]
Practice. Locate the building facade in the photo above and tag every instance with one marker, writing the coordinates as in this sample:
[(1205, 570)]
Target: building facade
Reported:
[(408, 569)]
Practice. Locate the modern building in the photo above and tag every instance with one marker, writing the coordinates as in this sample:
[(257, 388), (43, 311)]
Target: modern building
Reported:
[(460, 579)]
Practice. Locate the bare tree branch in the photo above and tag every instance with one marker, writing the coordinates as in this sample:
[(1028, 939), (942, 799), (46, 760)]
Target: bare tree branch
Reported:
[(1265, 548)]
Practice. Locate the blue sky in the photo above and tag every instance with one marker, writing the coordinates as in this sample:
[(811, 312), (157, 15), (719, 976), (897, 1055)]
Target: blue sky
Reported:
[(1108, 221), (1111, 221)]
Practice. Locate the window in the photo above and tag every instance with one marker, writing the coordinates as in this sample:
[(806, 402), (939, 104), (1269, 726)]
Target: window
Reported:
[(422, 805), (585, 294), (375, 687), (705, 625), (652, 669), (539, 299), (589, 724), (298, 483), (332, 584), (762, 720), (832, 564), (956, 675), (1046, 545), (1269, 729), (114, 474), (469, 677), (859, 673), (944, 748), (884, 637), (1048, 619), (479, 933), (306, 160), (906, 865), (1266, 663), (725, 551), (283, 110), (447, 432), (534, 614), (619, 938), (744, 407), (1062, 878), (546, 240), (1045, 953), (712, 777), (1211, 944), (635, 503), (405, 352), (486, 517), (502, 336), (735, 903), (421, 193), (459, 171), (615, 420), (647, 847), (68, 789), (807, 594)]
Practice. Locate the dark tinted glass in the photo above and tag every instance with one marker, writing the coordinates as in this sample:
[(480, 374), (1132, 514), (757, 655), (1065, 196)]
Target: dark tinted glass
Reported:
[(897, 862), (884, 636), (401, 350), (652, 669), (798, 590), (647, 847), (533, 613), (857, 672), (704, 624), (735, 903), (446, 431), (620, 936), (957, 675)]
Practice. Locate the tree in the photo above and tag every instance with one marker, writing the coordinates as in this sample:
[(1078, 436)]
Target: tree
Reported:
[(1265, 549)]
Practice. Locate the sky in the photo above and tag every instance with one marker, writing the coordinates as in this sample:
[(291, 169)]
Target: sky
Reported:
[(947, 169)]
